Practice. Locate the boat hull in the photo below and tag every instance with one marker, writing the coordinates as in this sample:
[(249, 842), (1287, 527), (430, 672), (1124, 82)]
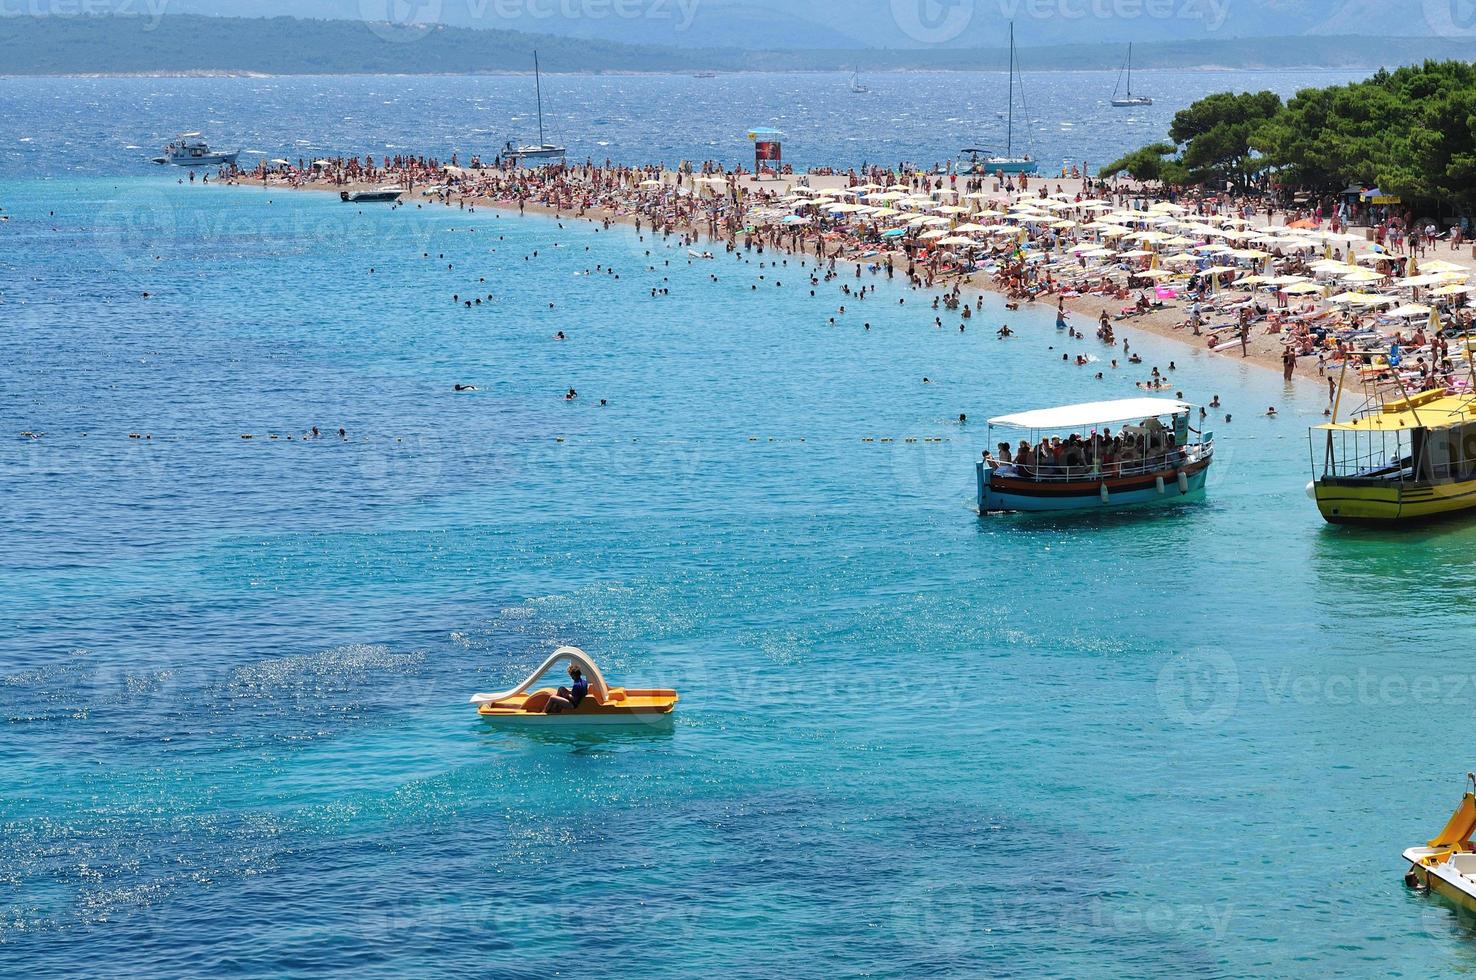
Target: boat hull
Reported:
[(625, 707), (987, 167), (1377, 502), (1441, 880), (208, 160), (1024, 496), (1131, 103), (371, 197)]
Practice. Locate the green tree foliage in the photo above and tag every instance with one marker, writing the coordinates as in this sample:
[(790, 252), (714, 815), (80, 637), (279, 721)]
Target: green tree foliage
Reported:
[(1216, 133), (1151, 163), (1411, 132)]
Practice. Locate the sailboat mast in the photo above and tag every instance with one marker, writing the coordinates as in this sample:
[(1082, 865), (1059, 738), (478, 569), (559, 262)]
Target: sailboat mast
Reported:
[(1010, 128), (538, 87), (1130, 69)]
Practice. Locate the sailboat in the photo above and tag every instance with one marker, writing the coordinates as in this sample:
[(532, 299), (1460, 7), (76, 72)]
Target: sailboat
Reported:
[(1131, 100), (542, 150), (856, 86), (982, 161)]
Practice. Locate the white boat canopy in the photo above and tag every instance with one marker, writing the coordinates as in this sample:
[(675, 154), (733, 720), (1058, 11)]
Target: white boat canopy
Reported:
[(1093, 413)]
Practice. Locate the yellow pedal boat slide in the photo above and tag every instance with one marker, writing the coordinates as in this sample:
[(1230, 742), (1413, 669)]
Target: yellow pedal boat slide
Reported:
[(603, 705), (1446, 864)]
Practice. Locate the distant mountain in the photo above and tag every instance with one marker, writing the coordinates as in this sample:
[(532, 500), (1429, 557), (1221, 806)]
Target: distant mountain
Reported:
[(761, 25), (182, 43)]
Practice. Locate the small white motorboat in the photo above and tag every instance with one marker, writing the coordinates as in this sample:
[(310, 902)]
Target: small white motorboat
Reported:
[(189, 150), (380, 195)]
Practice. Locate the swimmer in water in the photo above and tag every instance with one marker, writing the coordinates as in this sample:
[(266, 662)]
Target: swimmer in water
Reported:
[(466, 387)]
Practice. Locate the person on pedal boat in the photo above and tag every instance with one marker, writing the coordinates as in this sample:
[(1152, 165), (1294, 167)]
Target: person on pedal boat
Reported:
[(567, 699)]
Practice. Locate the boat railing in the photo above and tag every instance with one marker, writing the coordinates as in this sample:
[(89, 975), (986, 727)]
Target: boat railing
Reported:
[(1160, 463)]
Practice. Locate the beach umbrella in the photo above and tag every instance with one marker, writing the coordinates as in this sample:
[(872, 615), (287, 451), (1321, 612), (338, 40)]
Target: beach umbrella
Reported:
[(1363, 275), (1409, 311), (1250, 281), (1440, 265), (933, 235), (1452, 290), (1302, 288)]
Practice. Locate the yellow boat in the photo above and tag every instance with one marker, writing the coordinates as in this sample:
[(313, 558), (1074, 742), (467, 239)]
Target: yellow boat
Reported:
[(603, 705), (1446, 864), (1402, 458)]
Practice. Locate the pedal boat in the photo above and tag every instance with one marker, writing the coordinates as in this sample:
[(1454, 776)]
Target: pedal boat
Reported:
[(1446, 864), (603, 705), (1156, 478)]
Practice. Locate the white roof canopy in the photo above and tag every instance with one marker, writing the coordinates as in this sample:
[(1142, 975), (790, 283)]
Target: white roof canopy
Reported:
[(1093, 413)]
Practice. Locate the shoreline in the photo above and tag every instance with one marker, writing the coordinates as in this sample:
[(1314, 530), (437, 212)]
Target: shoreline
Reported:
[(1264, 351)]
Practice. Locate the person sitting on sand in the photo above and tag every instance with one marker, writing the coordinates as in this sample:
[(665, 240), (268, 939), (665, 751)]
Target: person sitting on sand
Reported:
[(567, 699)]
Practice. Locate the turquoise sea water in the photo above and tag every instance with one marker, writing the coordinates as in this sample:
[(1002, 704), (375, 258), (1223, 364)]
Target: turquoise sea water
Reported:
[(911, 741)]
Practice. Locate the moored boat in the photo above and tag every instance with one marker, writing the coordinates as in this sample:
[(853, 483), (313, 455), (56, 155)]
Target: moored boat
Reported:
[(985, 163), (1401, 458), (190, 150), (1131, 100), (1446, 864), (379, 195), (542, 151), (602, 705), (1153, 459)]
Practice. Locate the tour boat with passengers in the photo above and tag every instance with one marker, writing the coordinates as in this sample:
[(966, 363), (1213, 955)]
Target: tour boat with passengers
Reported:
[(1402, 457), (1071, 458)]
